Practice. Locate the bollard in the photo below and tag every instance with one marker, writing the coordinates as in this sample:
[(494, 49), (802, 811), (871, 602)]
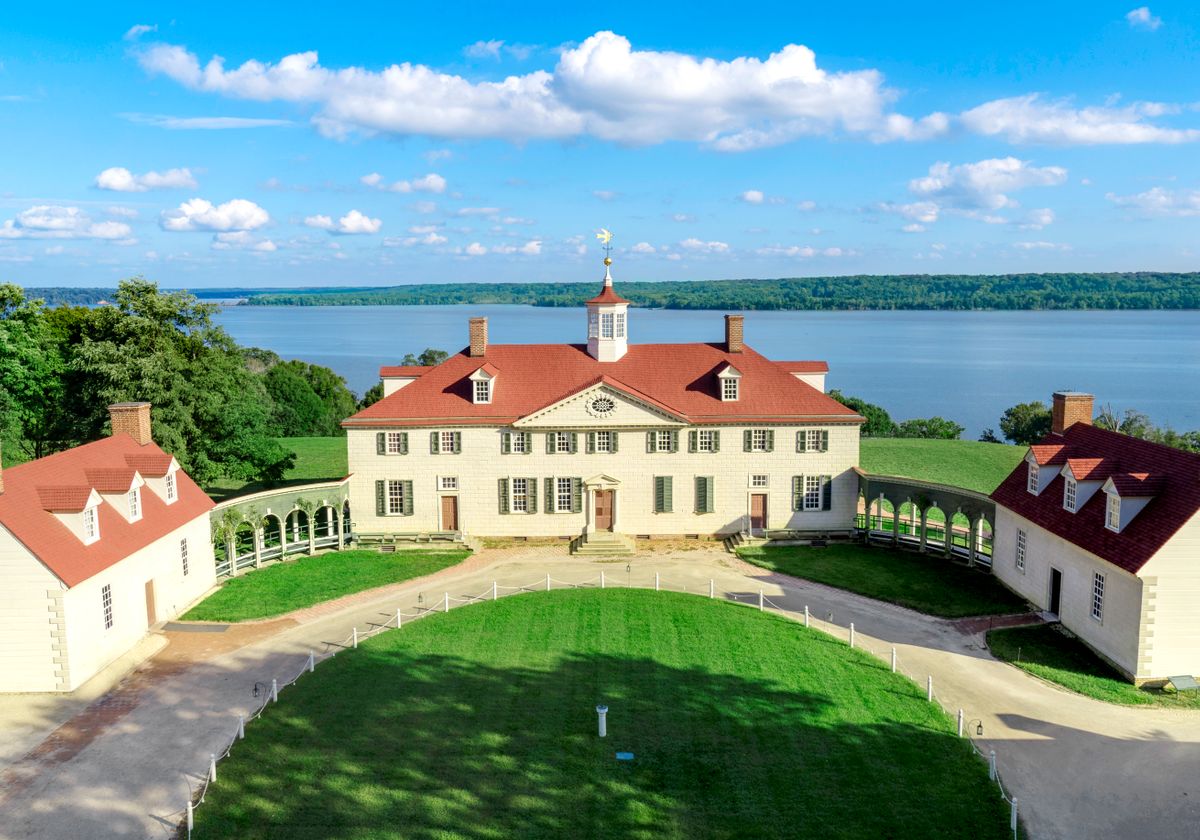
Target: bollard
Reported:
[(493, 590), (929, 689), (893, 659), (399, 619), (241, 727), (656, 581), (274, 691), (806, 615), (1012, 821), (960, 723), (312, 657), (547, 581), (212, 768), (711, 588), (355, 637), (852, 635), (601, 578), (602, 720), (191, 822), (446, 602), (992, 765), (760, 600)]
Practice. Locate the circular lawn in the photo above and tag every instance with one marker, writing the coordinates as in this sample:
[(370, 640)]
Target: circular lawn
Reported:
[(481, 724)]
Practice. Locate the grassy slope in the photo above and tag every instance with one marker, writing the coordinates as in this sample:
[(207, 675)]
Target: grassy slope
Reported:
[(480, 724), (317, 458), (310, 580), (962, 463), (921, 582), (1048, 654)]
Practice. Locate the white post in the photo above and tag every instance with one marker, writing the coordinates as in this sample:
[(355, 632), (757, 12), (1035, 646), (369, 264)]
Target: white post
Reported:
[(602, 720), (547, 581), (1012, 821), (992, 765), (399, 619), (851, 634), (656, 581), (493, 590), (241, 727), (760, 600), (355, 642), (806, 615), (191, 823), (312, 661), (960, 723), (446, 603), (601, 578), (929, 689), (212, 767), (893, 659), (274, 691), (711, 588)]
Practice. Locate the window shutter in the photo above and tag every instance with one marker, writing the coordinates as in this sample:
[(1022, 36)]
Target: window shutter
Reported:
[(433, 443), (693, 441), (574, 441), (505, 444), (826, 492), (528, 442), (591, 442), (380, 498), (770, 440), (658, 494), (650, 441), (457, 443), (550, 443), (667, 493), (716, 441), (404, 443), (746, 440), (408, 498), (380, 443), (797, 492), (674, 440), (704, 494), (549, 485), (824, 440), (614, 436), (576, 495), (504, 495), (802, 441), (531, 485)]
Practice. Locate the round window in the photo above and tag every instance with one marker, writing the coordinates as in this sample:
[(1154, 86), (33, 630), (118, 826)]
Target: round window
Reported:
[(603, 405)]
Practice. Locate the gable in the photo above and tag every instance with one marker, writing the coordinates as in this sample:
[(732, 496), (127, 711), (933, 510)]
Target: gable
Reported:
[(577, 411)]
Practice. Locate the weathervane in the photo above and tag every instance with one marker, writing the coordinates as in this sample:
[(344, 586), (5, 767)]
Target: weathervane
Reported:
[(605, 236)]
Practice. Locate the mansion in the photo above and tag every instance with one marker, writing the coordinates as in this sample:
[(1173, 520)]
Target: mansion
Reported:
[(605, 439)]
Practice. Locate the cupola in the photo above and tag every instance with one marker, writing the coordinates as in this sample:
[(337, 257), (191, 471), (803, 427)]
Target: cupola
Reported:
[(607, 314)]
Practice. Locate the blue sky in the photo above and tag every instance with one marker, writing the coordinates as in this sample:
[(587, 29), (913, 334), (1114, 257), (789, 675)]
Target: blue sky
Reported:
[(239, 145)]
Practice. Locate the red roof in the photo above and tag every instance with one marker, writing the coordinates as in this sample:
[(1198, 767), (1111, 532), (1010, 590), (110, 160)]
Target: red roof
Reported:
[(1054, 454), (61, 481), (150, 464), (679, 378), (607, 295), (805, 367), (1091, 469), (110, 479), (1172, 475), (403, 370)]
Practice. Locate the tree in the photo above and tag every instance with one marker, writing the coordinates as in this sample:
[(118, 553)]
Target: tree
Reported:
[(989, 436), (1131, 422), (1026, 423), (31, 367), (929, 427), (297, 409), (373, 395), (429, 356), (879, 422)]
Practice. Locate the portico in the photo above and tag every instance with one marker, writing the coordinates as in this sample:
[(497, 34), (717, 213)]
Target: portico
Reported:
[(601, 509)]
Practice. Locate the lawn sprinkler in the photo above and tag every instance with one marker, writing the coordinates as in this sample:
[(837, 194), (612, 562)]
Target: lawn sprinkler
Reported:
[(602, 720)]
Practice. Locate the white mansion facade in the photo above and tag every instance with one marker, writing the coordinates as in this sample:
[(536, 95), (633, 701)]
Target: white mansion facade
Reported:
[(559, 440)]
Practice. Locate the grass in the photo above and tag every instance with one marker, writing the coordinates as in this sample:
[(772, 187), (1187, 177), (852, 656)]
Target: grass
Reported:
[(1047, 653), (295, 584), (921, 582), (961, 463), (480, 724), (317, 459)]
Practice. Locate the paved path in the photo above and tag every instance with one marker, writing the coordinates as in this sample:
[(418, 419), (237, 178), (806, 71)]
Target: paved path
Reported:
[(125, 766)]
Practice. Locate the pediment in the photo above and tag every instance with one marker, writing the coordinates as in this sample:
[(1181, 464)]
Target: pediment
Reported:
[(584, 409), (602, 480)]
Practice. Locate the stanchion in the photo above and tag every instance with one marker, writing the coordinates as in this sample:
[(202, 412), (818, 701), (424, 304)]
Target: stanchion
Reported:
[(711, 588), (399, 618), (960, 722), (929, 689), (893, 659), (274, 691), (1012, 820), (992, 765), (852, 635), (212, 767), (241, 727), (191, 821), (354, 636), (806, 615), (601, 578), (656, 581), (547, 581), (446, 601), (312, 657), (493, 590), (760, 600)]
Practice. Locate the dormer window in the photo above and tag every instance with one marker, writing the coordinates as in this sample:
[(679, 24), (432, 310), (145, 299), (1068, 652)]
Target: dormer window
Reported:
[(1070, 493), (1031, 479), (91, 526), (730, 379), (1112, 513), (135, 504), (483, 391), (483, 384), (171, 490)]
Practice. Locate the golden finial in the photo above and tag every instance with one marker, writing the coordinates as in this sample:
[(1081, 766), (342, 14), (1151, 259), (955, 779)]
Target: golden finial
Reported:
[(605, 236)]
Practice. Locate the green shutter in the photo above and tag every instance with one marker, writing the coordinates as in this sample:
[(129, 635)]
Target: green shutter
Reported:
[(576, 495), (574, 440), (506, 443), (433, 443), (693, 441), (614, 436), (531, 487), (404, 443), (549, 495), (504, 495), (662, 494), (528, 442), (591, 442), (380, 443), (716, 441), (408, 498), (797, 492), (826, 492), (825, 440), (649, 441), (674, 440), (380, 498), (667, 482), (770, 440), (550, 436), (457, 443), (704, 494), (746, 438), (802, 441)]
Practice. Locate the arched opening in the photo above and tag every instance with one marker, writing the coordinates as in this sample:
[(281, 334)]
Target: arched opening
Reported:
[(935, 525), (910, 520), (960, 532), (323, 527), (882, 520), (243, 546), (984, 546), (272, 544), (860, 512), (296, 528)]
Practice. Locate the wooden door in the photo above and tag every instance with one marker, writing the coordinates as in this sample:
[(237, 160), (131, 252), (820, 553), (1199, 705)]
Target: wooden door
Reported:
[(604, 510), (449, 513), (151, 615), (758, 511)]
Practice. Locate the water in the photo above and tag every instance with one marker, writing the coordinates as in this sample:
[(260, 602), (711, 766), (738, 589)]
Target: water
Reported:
[(967, 366)]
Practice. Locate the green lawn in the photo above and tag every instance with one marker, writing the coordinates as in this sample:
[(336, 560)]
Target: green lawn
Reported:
[(317, 458), (303, 582), (1046, 653), (921, 582), (481, 724), (962, 463)]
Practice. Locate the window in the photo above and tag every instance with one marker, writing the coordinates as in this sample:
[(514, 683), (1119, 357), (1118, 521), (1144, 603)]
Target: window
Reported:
[(620, 325), (447, 442), (395, 497), (758, 440), (483, 391), (562, 495), (106, 605), (606, 325), (1069, 494), (1022, 542), (1098, 596), (812, 440), (593, 325), (1112, 515), (662, 442), (604, 441), (135, 504), (519, 502), (91, 526), (183, 555), (1031, 479), (562, 442), (759, 481), (170, 483), (517, 443), (448, 482), (729, 389), (812, 492), (706, 441), (397, 443)]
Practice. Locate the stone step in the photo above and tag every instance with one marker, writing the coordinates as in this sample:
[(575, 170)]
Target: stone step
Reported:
[(604, 544)]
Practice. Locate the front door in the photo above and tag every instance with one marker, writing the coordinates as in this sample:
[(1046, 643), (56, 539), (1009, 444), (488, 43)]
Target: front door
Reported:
[(604, 510), (449, 513), (758, 512), (1055, 589), (151, 616)]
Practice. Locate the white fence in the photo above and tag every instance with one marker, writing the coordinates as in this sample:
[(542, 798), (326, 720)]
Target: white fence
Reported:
[(444, 604)]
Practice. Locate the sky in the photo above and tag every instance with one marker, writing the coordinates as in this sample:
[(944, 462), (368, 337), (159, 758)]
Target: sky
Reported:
[(383, 144)]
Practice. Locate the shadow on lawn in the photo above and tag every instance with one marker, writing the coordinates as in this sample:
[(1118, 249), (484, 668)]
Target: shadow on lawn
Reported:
[(436, 746)]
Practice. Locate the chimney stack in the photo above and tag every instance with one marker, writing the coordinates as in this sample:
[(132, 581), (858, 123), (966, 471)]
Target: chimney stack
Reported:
[(733, 333), (478, 336), (133, 419), (1069, 408)]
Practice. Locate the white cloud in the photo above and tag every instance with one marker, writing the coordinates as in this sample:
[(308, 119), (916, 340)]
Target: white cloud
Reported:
[(753, 196), (925, 212), (478, 211), (52, 221), (203, 123), (602, 88), (1031, 119), (54, 250), (120, 179), (198, 214), (682, 217), (424, 207), (432, 183), (1041, 246), (138, 30), (984, 184), (913, 227), (643, 248), (1140, 18), (1037, 219), (434, 155), (351, 224), (605, 195), (476, 250), (803, 251), (241, 240), (700, 246), (484, 49), (1160, 201), (806, 206), (122, 212)]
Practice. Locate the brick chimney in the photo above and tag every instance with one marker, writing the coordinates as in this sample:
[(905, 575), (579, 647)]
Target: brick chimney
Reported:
[(733, 333), (478, 336), (133, 419), (1069, 408)]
